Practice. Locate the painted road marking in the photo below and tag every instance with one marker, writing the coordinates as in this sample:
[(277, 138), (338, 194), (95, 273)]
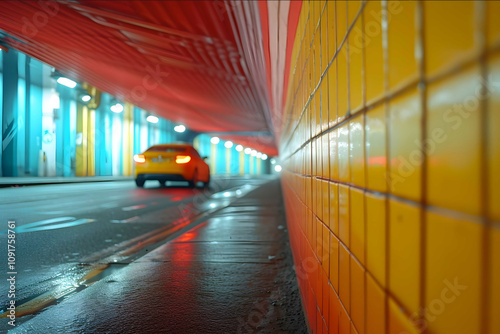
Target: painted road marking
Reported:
[(134, 207), (128, 220), (51, 224)]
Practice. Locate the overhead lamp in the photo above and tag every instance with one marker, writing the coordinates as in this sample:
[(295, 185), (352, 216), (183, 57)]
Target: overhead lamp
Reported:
[(273, 161), (85, 97), (239, 148), (66, 82), (215, 140), (117, 107), (62, 80), (179, 128), (254, 153), (152, 119), (228, 144), (264, 156), (277, 168), (248, 150)]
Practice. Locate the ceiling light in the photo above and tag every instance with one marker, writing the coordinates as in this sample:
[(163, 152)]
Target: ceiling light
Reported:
[(239, 148), (248, 150), (152, 119), (180, 128), (264, 156), (117, 108), (254, 153), (86, 97), (273, 161), (215, 140), (277, 168), (66, 82), (228, 144)]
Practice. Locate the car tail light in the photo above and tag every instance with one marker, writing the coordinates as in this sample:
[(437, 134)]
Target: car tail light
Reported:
[(139, 158), (182, 159)]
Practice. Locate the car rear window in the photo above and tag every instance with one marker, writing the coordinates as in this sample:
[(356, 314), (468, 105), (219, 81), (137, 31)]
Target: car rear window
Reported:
[(167, 149)]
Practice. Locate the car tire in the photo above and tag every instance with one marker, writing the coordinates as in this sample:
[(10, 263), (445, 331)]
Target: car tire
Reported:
[(194, 181), (206, 184), (139, 182)]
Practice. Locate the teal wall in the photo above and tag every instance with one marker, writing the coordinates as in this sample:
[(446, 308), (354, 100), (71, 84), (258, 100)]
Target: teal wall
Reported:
[(39, 139)]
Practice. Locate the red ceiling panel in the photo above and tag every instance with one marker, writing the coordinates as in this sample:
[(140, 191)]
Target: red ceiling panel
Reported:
[(189, 61)]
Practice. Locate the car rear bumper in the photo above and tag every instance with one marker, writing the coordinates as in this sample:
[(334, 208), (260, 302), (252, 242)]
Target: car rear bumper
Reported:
[(162, 177)]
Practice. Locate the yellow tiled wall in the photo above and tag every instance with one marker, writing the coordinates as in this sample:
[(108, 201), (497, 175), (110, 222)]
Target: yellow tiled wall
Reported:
[(391, 153)]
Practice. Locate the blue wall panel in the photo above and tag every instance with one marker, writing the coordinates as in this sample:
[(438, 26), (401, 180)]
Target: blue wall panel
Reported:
[(1, 109), (235, 161), (220, 165), (106, 135), (70, 139), (137, 131), (63, 137), (35, 128), (9, 114), (21, 129)]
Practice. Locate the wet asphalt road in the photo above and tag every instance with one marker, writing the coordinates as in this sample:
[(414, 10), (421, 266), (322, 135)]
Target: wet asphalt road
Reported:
[(64, 232)]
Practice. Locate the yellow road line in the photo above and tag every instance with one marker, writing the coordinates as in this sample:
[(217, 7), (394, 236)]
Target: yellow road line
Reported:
[(38, 303), (152, 240), (97, 269)]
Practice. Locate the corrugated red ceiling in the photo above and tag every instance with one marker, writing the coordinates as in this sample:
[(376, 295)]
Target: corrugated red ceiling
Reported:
[(182, 60)]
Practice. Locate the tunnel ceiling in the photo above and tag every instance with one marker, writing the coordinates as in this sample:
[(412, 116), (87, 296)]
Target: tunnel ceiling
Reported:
[(202, 63)]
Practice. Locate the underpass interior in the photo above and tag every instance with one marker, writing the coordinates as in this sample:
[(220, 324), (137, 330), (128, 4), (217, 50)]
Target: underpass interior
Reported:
[(372, 126)]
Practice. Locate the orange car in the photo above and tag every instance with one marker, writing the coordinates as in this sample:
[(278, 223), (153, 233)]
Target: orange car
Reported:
[(171, 162)]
